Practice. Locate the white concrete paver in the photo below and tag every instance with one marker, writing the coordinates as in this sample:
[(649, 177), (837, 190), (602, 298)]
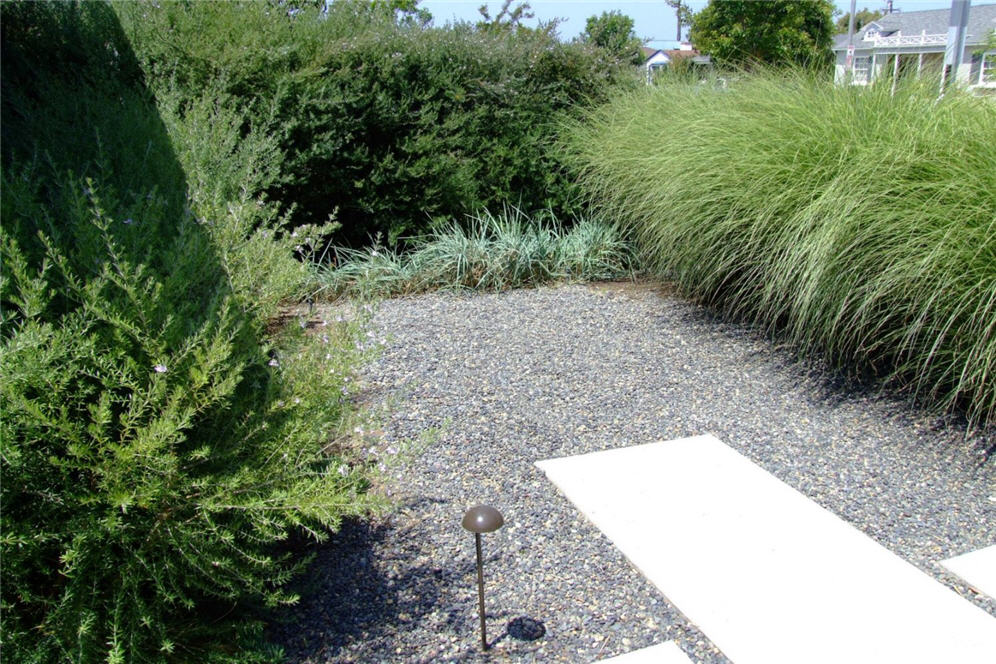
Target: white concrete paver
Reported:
[(977, 568), (662, 653), (766, 573)]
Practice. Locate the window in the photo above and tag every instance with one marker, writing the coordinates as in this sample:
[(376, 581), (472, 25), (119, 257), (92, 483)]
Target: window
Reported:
[(987, 69), (860, 69)]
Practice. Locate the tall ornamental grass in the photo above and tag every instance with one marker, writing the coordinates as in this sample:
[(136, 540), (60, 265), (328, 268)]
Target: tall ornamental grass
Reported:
[(857, 223)]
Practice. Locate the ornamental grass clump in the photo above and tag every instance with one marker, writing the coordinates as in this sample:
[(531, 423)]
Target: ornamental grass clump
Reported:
[(159, 444), (488, 252), (859, 223)]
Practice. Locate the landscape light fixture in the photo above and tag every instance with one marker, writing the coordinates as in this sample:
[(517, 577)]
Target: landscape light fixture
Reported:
[(482, 519)]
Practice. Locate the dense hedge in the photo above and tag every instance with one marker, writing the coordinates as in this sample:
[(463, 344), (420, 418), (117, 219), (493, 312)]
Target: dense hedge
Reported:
[(859, 223), (394, 125), (156, 442)]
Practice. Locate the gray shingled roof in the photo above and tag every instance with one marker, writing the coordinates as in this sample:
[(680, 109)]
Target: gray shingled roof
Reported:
[(981, 19)]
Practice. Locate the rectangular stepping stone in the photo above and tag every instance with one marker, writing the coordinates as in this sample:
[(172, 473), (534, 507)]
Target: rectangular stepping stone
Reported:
[(766, 573), (662, 653), (977, 568)]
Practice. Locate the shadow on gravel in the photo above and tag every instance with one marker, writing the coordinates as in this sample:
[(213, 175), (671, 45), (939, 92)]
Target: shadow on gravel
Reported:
[(835, 387), (369, 582)]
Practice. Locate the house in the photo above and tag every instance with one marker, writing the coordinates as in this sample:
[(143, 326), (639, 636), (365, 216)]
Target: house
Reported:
[(658, 59), (913, 43)]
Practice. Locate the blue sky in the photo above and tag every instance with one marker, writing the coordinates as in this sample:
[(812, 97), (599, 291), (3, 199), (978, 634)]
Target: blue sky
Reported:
[(654, 20)]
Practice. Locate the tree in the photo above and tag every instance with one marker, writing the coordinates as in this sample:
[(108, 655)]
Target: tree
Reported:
[(682, 12), (406, 12), (507, 18), (862, 17), (613, 31), (777, 32)]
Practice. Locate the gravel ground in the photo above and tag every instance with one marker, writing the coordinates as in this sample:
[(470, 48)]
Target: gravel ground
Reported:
[(507, 379)]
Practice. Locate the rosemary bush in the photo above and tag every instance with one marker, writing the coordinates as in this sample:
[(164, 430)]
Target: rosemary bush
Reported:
[(158, 444)]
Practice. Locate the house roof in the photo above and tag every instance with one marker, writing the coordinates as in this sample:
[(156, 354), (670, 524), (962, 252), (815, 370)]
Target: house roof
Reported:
[(677, 54), (981, 20)]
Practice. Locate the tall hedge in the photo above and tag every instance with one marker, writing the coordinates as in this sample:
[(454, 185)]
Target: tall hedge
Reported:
[(395, 125), (157, 443)]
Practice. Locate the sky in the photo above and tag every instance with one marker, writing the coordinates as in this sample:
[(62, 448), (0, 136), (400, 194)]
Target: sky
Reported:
[(654, 20)]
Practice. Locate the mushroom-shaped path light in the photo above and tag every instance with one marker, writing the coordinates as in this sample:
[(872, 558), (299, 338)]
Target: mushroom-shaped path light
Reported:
[(482, 519)]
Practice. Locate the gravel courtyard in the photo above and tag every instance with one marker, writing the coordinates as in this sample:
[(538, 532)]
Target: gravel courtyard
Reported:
[(511, 378)]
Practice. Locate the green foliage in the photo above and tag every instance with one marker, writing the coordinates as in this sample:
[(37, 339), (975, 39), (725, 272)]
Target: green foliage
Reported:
[(395, 126), (492, 252), (745, 33), (857, 224), (507, 19), (862, 17), (989, 44), (156, 443), (613, 31)]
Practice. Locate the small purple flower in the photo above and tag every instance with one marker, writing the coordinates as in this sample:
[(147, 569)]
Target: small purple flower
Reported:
[(159, 368), (273, 363), (129, 221)]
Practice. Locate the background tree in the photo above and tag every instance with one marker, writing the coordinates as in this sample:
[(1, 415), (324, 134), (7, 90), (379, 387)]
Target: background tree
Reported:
[(776, 32), (507, 18), (614, 32), (862, 17), (682, 13)]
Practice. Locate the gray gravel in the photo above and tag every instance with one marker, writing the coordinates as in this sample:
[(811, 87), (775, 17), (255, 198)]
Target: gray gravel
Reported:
[(507, 379)]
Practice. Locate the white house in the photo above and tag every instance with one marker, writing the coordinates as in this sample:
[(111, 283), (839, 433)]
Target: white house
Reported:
[(659, 59), (913, 43)]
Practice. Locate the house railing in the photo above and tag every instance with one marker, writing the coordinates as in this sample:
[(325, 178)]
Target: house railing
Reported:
[(911, 40)]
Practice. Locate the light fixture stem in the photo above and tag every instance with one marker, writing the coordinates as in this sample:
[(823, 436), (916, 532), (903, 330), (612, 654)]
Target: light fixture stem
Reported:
[(480, 590)]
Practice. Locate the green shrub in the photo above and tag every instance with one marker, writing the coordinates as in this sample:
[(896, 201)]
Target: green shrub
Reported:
[(396, 126), (490, 252), (859, 224), (156, 442)]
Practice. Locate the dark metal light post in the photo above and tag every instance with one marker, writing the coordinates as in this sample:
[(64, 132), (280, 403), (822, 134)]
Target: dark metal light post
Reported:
[(482, 519)]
